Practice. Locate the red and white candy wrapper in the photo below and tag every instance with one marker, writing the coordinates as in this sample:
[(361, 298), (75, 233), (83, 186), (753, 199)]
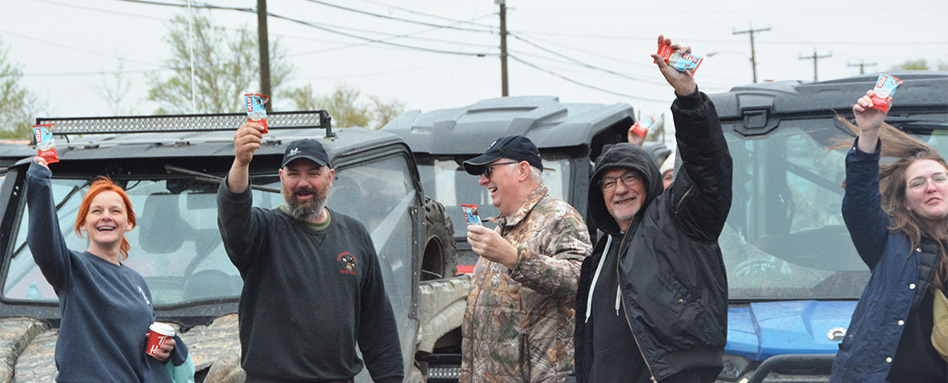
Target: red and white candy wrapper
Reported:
[(256, 111), (157, 335), (470, 214), (642, 126), (679, 60), (45, 144), (884, 89)]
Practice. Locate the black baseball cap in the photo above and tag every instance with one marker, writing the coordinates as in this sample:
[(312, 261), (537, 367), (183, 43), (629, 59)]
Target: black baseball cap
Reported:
[(517, 148), (306, 148)]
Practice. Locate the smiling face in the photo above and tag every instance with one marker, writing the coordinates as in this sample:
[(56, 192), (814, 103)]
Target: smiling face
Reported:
[(624, 194), (926, 190), (306, 187), (106, 222), (504, 185)]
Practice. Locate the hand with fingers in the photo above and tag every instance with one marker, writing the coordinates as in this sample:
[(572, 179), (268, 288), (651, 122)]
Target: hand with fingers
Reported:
[(164, 351), (247, 140), (682, 81), (869, 120), (490, 245), (41, 161)]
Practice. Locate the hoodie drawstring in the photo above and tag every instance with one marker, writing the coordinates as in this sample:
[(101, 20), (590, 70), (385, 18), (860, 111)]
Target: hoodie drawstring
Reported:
[(592, 288)]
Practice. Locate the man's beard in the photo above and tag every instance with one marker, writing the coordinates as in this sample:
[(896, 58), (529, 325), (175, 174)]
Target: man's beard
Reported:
[(309, 210)]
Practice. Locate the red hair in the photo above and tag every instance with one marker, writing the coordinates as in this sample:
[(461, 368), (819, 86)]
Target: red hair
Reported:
[(102, 184)]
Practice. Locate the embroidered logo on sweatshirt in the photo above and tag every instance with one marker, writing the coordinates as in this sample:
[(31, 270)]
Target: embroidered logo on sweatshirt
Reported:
[(147, 302), (348, 263)]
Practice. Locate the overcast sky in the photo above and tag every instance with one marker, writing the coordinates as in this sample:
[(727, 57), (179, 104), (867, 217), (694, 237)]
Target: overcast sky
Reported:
[(582, 51)]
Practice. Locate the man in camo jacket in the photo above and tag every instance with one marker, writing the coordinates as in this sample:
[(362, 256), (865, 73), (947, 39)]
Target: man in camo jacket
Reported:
[(518, 326)]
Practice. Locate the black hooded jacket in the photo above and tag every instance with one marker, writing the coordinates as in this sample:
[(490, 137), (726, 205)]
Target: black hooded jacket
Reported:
[(673, 284)]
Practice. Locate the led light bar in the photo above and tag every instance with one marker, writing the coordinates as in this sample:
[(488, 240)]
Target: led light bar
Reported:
[(184, 123)]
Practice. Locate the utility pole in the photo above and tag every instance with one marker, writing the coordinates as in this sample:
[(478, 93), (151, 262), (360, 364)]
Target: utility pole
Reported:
[(503, 47), (751, 32), (263, 42), (816, 58), (862, 66)]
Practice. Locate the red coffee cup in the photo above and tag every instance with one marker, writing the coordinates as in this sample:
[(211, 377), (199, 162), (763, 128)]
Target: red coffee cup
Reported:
[(157, 334)]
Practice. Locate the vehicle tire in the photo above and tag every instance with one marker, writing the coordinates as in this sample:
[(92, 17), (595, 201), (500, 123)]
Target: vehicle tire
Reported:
[(440, 259)]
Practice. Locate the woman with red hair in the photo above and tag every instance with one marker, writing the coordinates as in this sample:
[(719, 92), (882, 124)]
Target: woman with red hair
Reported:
[(106, 307)]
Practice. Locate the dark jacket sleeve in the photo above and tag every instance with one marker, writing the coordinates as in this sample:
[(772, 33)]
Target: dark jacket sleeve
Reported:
[(44, 237), (179, 354), (862, 205), (701, 193), (243, 229), (378, 332)]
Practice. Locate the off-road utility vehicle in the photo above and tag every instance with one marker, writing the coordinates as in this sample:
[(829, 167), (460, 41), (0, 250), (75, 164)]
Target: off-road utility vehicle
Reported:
[(793, 273), (171, 168), (569, 136)]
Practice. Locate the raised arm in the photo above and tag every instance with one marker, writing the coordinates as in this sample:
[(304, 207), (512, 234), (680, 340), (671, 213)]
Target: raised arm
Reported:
[(701, 193), (44, 237), (241, 230), (862, 202)]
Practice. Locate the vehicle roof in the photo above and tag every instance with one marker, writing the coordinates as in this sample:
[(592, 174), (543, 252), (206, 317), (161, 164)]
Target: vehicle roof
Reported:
[(471, 129), (921, 89)]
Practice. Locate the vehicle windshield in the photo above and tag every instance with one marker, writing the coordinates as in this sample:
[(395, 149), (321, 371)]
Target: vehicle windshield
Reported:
[(785, 237), (445, 180), (177, 248)]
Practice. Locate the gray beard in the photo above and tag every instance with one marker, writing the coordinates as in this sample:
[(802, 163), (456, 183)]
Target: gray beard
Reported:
[(306, 212)]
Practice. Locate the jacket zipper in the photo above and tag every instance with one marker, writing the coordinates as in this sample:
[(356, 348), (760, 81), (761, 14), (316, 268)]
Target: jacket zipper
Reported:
[(678, 205), (651, 375)]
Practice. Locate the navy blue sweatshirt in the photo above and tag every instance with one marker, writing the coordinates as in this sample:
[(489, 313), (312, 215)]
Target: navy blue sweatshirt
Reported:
[(309, 296), (106, 308)]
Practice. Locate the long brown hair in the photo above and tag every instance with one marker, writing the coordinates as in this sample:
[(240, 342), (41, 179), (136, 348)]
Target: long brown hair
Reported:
[(102, 184), (906, 149)]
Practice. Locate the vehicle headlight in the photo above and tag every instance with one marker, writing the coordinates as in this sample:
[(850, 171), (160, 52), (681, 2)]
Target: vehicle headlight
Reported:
[(734, 367)]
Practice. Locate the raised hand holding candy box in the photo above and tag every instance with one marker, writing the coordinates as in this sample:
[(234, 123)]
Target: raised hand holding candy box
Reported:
[(256, 111), (45, 144), (679, 60), (470, 214), (642, 126), (884, 89)]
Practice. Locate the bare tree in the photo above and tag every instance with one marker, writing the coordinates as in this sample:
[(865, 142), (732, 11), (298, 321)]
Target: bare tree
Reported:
[(114, 89), (19, 105), (226, 63), (345, 107)]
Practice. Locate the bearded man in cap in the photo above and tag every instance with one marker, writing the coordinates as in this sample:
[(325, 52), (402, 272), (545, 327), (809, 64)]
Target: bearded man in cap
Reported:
[(312, 283), (518, 322)]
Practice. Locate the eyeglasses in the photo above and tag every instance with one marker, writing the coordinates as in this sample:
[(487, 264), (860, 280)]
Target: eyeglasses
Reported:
[(628, 179), (489, 167), (917, 183)]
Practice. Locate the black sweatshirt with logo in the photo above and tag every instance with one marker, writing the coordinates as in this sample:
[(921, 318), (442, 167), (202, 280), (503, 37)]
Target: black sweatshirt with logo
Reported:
[(309, 296)]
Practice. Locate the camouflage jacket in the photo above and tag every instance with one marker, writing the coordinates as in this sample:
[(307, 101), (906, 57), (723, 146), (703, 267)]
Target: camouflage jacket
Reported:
[(518, 325)]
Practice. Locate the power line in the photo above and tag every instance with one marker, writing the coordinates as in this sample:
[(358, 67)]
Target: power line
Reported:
[(816, 58), (751, 32), (862, 66), (441, 26), (64, 46), (580, 83), (408, 10), (378, 41), (586, 65)]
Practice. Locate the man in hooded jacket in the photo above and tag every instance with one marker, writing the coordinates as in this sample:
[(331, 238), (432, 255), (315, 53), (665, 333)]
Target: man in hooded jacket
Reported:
[(651, 303)]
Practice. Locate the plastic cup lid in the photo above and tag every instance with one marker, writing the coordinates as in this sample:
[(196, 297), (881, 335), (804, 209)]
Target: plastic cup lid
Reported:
[(162, 329)]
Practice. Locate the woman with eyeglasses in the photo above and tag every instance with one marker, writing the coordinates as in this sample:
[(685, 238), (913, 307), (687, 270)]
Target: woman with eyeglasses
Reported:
[(897, 215)]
